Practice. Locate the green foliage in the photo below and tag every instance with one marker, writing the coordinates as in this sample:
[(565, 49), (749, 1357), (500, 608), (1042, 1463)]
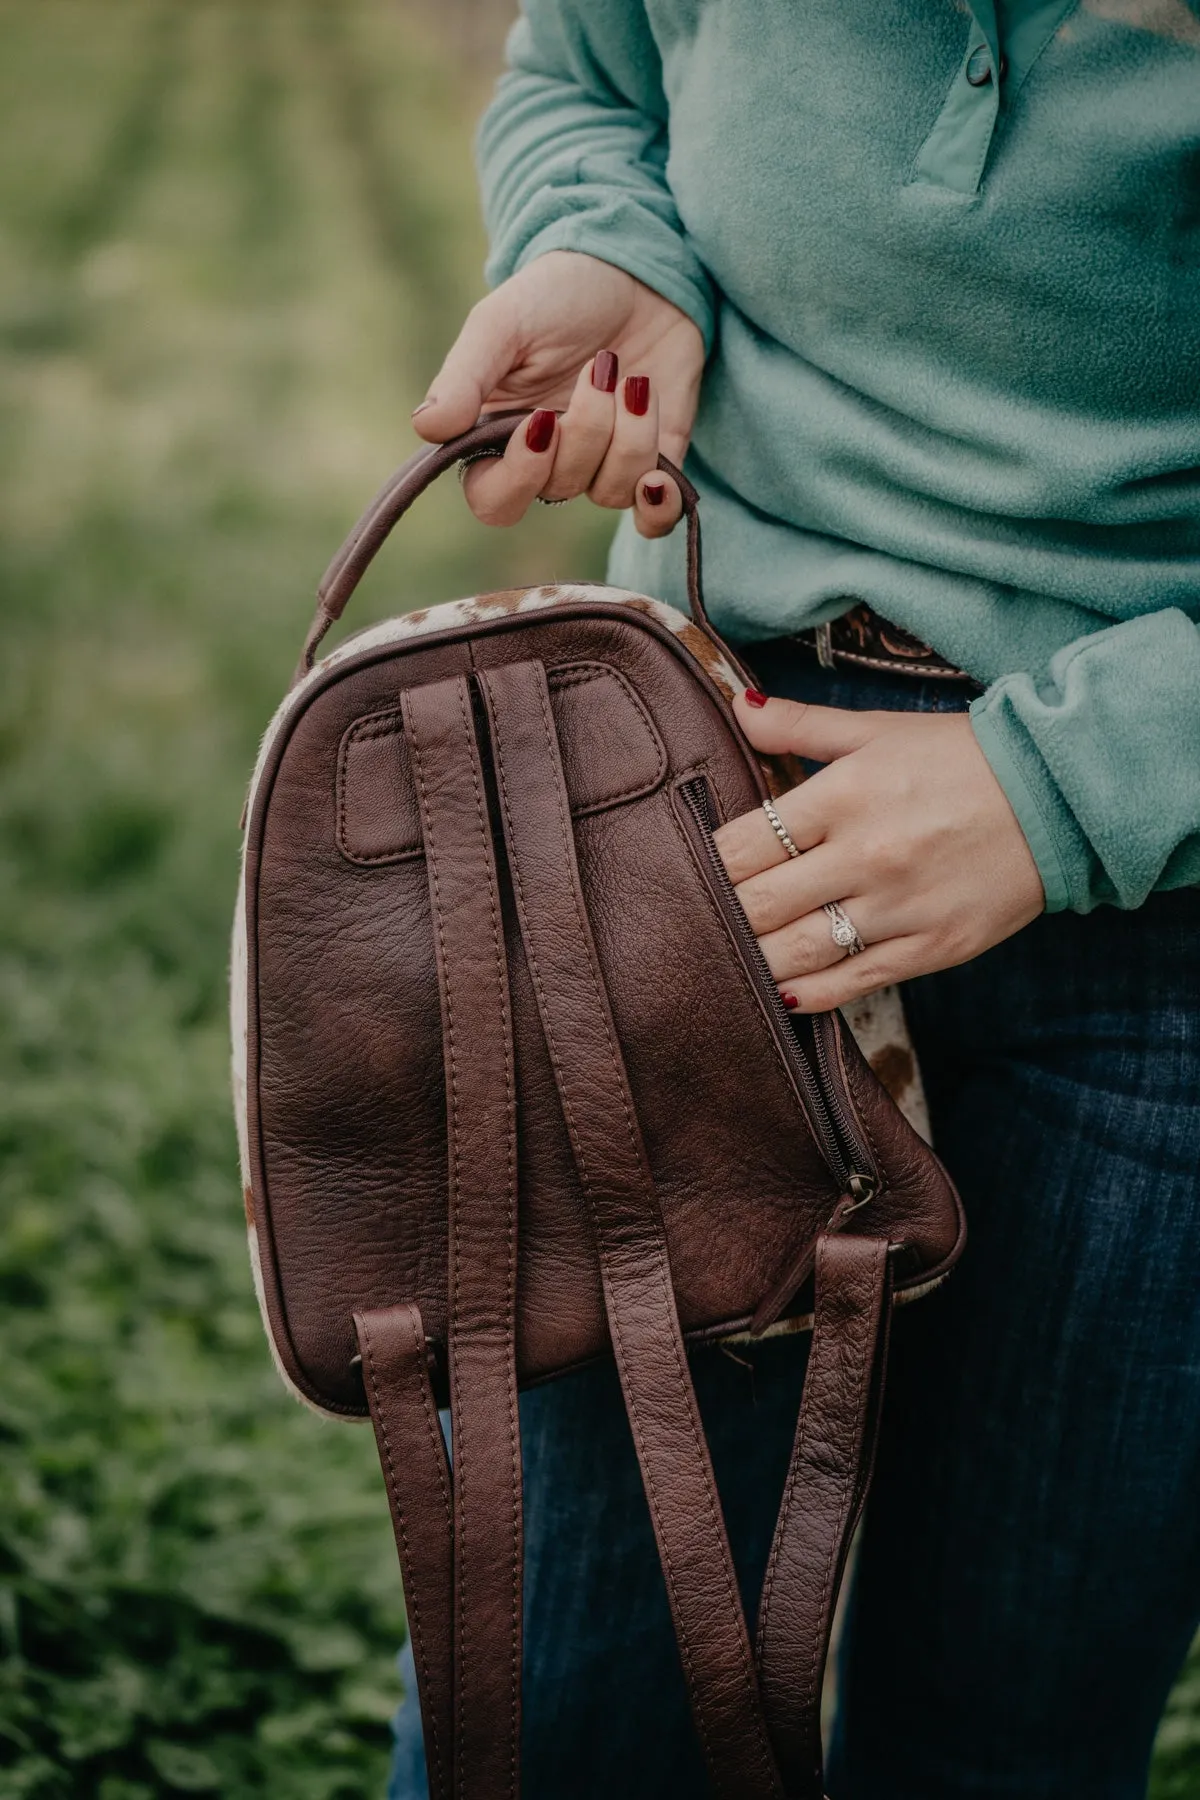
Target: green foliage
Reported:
[(237, 235), (237, 238), (1176, 1772)]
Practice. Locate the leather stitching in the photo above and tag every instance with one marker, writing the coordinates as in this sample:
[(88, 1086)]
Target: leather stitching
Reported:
[(575, 675), (564, 830), (844, 1488), (847, 1482), (389, 723), (460, 1485), (510, 1234), (460, 1482), (853, 1072), (362, 731), (410, 1596), (568, 1112), (936, 669)]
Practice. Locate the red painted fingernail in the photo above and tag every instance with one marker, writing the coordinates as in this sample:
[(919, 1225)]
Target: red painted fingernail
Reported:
[(754, 698), (539, 432), (637, 394), (425, 405), (654, 492), (605, 369), (790, 1001)]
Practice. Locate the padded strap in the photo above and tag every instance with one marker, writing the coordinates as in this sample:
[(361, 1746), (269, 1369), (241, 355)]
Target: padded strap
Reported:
[(827, 1484), (391, 1342), (613, 1171), (482, 1174)]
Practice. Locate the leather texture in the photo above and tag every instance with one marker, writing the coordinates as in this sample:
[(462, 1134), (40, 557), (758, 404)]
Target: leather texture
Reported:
[(481, 1132), (615, 1178), (615, 755), (520, 1094), (412, 1453), (824, 1494)]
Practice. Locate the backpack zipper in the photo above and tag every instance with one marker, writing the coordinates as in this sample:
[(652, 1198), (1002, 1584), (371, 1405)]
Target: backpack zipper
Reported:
[(829, 1107)]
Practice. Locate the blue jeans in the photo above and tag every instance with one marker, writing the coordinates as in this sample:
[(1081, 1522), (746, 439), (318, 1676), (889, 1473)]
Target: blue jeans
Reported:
[(1029, 1574)]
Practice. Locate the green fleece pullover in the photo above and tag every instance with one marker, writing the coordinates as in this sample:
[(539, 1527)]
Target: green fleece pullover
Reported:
[(947, 261)]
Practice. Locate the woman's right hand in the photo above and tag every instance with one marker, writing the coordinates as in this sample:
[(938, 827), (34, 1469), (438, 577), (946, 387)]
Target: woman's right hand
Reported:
[(571, 332)]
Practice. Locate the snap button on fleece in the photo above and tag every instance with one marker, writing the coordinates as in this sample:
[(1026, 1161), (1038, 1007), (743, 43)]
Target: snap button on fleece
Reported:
[(979, 66)]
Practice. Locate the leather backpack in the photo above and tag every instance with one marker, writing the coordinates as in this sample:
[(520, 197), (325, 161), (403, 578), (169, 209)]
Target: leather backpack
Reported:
[(517, 1091)]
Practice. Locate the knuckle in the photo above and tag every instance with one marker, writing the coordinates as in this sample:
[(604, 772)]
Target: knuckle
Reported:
[(803, 954), (489, 306), (486, 509), (495, 508), (881, 971), (955, 945), (759, 901), (885, 855), (756, 913), (610, 496), (734, 854), (795, 719)]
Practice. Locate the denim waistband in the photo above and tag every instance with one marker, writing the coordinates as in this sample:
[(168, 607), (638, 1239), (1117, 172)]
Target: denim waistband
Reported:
[(783, 667)]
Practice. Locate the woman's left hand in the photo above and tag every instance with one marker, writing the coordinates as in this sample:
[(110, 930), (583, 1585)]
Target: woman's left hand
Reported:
[(906, 826)]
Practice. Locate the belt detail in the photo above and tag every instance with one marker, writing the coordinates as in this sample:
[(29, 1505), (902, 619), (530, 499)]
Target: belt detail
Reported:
[(861, 639)]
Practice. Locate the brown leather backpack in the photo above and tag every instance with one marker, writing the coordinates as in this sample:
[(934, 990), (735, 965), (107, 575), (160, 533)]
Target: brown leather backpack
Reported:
[(516, 1091)]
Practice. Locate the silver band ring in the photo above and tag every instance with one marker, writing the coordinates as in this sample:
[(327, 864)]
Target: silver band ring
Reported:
[(842, 928), (475, 456), (542, 501), (780, 829)]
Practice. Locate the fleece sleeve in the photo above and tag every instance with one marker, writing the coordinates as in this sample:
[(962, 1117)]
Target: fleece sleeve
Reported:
[(1099, 756), (573, 151)]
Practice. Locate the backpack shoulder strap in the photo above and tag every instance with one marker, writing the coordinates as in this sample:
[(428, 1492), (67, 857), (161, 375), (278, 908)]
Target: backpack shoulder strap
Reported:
[(832, 1458), (478, 1635), (639, 1298), (460, 1538), (757, 1741), (395, 1368)]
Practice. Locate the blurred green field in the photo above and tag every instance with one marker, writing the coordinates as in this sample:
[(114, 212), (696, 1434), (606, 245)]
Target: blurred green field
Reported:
[(234, 240)]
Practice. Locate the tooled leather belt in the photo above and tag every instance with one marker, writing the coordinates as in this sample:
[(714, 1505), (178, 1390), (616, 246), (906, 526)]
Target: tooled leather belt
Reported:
[(861, 639)]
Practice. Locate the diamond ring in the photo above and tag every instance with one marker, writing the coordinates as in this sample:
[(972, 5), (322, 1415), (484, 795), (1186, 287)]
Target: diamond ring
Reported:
[(842, 928)]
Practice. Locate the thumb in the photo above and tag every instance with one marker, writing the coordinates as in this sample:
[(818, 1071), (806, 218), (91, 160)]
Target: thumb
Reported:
[(482, 354), (793, 728)]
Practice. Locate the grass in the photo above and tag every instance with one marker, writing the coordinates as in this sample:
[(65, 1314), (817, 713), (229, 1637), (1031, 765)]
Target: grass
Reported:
[(236, 238)]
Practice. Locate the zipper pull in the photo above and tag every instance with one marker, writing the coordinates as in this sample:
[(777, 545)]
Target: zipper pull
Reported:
[(859, 1190)]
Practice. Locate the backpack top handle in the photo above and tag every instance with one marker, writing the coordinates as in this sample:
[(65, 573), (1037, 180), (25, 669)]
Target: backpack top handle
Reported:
[(487, 437)]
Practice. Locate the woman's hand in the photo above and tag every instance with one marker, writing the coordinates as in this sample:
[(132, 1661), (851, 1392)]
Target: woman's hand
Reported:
[(571, 331), (906, 826)]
